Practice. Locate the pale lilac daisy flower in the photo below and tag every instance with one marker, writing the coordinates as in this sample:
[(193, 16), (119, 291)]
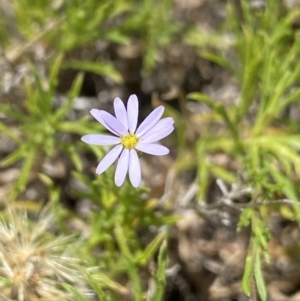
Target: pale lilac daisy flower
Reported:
[(128, 138)]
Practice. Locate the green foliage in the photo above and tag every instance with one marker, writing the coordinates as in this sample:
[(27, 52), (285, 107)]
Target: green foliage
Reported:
[(154, 26), (81, 23), (269, 153), (75, 293), (258, 275), (39, 125), (257, 133), (160, 276), (100, 68)]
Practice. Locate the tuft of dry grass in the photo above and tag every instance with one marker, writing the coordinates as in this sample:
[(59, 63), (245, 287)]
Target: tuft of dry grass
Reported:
[(34, 263)]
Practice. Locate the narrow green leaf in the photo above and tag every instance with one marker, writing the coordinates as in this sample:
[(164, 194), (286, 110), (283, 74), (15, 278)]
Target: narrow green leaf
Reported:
[(151, 249), (259, 279), (245, 218), (260, 232), (74, 156), (219, 108), (24, 175), (76, 294), (203, 170), (101, 280), (218, 59), (53, 76), (288, 99), (129, 263), (14, 156), (96, 287), (222, 173), (9, 132), (103, 69), (46, 180), (73, 93), (83, 126), (9, 110), (123, 243), (246, 281), (160, 276), (31, 100)]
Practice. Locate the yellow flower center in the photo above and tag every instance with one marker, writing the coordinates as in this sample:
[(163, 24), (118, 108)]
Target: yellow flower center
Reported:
[(129, 141)]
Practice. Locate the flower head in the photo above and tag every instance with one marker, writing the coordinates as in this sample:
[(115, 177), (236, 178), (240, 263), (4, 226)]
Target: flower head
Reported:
[(128, 138)]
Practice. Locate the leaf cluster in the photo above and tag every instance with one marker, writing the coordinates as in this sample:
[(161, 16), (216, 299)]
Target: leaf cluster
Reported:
[(258, 133)]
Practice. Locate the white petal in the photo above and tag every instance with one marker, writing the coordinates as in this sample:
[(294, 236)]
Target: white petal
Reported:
[(109, 121), (97, 139), (109, 159), (150, 121), (122, 168), (120, 112), (134, 169), (132, 112), (152, 149), (157, 134)]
